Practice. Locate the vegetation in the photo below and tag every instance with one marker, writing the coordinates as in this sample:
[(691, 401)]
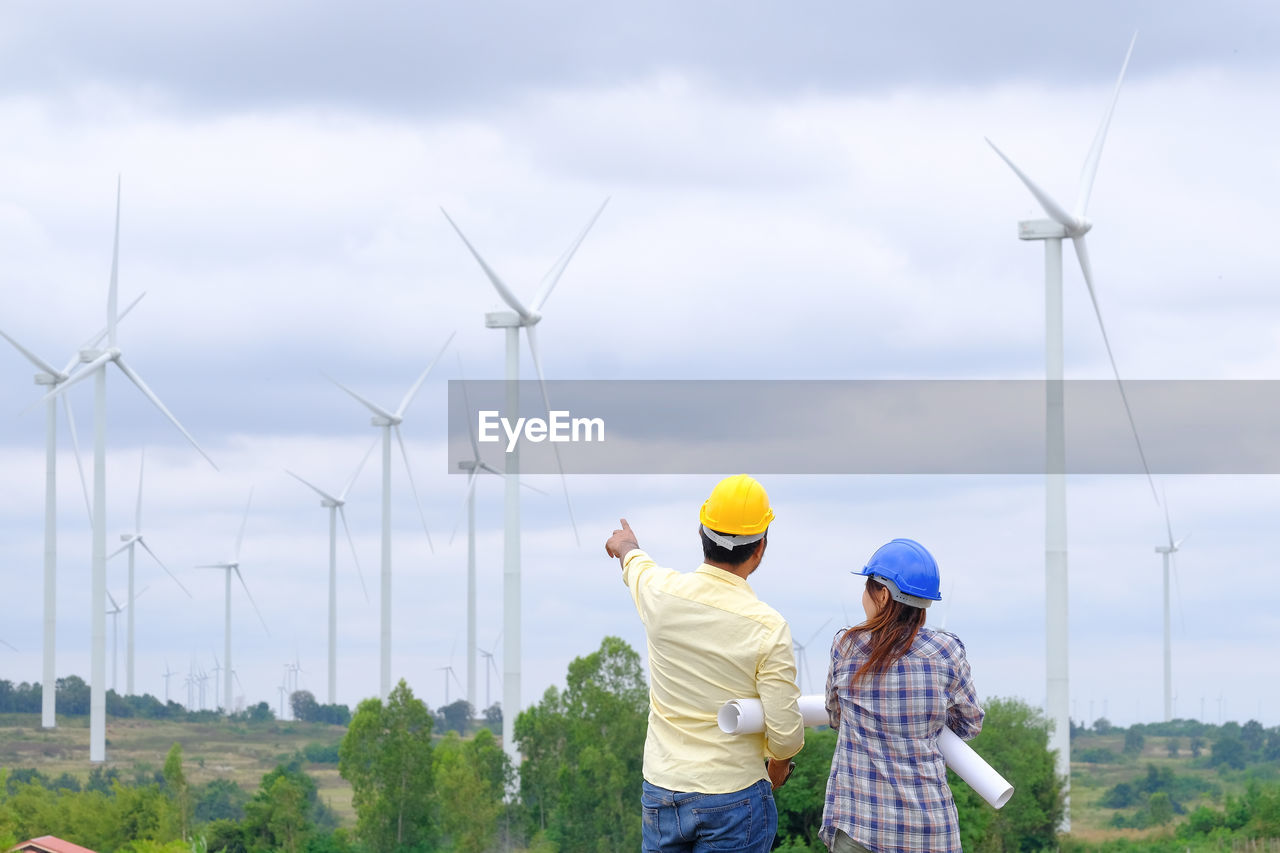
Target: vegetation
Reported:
[(419, 780)]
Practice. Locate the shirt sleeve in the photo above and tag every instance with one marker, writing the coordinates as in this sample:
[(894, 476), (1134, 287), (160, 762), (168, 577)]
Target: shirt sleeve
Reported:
[(780, 695), (833, 697), (964, 716)]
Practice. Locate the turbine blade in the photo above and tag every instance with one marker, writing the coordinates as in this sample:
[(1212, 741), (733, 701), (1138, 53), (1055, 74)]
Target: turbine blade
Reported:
[(75, 447), (1178, 544), (343, 497), (1055, 211), (498, 284), (815, 634), (40, 363), (354, 556), (377, 410), (466, 401), (79, 376), (251, 601), (121, 549), (471, 487), (161, 564), (1167, 525), (155, 401), (542, 384), (408, 397), (1082, 252), (115, 269), (404, 454), (1090, 169), (243, 522), (321, 492), (113, 601), (96, 340), (553, 276)]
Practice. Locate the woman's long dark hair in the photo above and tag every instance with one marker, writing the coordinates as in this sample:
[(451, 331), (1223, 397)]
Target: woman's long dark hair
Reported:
[(892, 631)]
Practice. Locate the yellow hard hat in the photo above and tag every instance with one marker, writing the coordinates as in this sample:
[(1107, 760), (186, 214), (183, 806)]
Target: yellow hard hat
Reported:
[(738, 506)]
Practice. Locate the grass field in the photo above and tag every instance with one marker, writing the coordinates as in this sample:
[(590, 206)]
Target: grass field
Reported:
[(239, 752)]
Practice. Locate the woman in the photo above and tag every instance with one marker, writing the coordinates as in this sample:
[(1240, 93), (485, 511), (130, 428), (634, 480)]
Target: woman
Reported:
[(891, 687)]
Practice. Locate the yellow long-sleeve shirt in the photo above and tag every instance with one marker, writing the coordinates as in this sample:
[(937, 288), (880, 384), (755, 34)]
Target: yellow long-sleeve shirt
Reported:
[(711, 640)]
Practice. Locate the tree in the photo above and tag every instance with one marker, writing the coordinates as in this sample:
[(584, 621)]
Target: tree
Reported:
[(1133, 741), (175, 784), (386, 756), (304, 706), (1172, 746), (1015, 741), (493, 718), (456, 716), (1227, 750), (583, 752), (470, 781)]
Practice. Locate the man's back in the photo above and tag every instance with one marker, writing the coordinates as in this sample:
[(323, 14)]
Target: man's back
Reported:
[(711, 640)]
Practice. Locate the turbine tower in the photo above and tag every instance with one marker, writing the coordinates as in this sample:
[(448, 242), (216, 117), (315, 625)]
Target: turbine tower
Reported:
[(51, 377), (527, 318), (131, 540), (1166, 552), (802, 659), (474, 467), (233, 565), (96, 362), (390, 422), (335, 506), (1052, 231)]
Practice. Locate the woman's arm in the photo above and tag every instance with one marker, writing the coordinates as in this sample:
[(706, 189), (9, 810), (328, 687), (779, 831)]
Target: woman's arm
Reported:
[(833, 701), (964, 716)]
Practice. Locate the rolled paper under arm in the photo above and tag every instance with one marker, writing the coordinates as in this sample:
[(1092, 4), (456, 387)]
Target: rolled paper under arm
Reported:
[(746, 716)]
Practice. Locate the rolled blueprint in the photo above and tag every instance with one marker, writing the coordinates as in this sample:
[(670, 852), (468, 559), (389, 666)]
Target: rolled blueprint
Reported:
[(970, 767), (746, 716)]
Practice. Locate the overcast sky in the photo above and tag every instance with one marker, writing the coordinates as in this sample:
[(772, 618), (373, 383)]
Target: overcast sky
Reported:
[(796, 192)]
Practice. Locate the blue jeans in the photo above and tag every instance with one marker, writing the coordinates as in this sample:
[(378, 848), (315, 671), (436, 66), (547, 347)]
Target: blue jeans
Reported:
[(742, 822)]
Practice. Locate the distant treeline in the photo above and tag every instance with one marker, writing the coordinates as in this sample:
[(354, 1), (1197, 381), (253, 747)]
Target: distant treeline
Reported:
[(73, 700)]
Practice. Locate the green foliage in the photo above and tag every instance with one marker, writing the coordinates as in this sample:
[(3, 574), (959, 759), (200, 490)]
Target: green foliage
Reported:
[(321, 753), (455, 717), (1228, 751), (218, 799), (386, 756), (1133, 741), (583, 749), (1096, 755), (470, 780), (1015, 741), (800, 801)]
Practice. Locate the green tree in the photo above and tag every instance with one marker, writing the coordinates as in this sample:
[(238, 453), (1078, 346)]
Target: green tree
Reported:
[(800, 801), (1172, 746), (456, 716), (175, 783), (386, 756), (583, 751), (470, 782), (1228, 750), (1133, 741), (1160, 807), (1015, 741), (304, 706)]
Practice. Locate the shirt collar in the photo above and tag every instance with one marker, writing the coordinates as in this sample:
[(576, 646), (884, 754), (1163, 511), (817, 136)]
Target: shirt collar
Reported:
[(727, 577)]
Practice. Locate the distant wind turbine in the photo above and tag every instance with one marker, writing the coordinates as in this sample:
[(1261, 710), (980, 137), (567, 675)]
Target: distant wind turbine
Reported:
[(95, 365), (336, 505), (527, 318), (803, 658), (1060, 225), (1166, 552), (131, 540), (233, 565), (51, 377), (390, 422), (168, 673)]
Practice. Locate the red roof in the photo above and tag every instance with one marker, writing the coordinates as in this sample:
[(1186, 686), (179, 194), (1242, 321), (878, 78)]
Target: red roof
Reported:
[(49, 844)]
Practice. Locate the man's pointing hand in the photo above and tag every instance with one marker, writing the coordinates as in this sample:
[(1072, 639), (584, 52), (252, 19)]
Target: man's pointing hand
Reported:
[(621, 542)]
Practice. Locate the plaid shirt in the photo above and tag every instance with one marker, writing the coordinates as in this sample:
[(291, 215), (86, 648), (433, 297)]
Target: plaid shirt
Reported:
[(888, 785)]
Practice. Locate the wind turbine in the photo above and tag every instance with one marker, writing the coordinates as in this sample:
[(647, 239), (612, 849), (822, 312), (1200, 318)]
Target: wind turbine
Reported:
[(448, 672), (1052, 231), (527, 318), (130, 540), (217, 681), (51, 377), (1166, 552), (390, 422), (335, 506), (168, 673), (233, 565), (474, 466), (489, 665), (803, 659), (8, 645), (95, 365)]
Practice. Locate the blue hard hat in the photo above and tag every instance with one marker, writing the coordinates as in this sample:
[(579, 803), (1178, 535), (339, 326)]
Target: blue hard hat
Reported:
[(908, 570)]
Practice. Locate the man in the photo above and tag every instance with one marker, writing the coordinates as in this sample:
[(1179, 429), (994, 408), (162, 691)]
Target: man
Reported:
[(711, 640)]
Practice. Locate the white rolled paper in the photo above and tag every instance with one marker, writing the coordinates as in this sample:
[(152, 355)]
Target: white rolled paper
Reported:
[(746, 716)]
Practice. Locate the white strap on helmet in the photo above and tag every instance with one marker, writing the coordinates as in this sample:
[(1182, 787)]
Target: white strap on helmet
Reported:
[(725, 540)]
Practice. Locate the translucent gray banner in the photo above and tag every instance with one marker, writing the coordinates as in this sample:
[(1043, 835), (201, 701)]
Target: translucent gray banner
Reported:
[(864, 426)]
